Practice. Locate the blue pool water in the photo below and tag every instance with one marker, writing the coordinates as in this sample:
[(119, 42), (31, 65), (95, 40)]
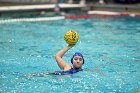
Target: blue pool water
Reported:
[(111, 47)]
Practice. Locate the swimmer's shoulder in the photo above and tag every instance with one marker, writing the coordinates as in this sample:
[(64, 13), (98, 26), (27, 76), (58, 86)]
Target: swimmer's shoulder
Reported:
[(68, 67)]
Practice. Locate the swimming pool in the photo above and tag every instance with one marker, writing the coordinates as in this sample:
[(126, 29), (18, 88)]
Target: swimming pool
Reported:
[(110, 45)]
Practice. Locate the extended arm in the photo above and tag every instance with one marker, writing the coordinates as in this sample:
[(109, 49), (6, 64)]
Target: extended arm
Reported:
[(61, 63)]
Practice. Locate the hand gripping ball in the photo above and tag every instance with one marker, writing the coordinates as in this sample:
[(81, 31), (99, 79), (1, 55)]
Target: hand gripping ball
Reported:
[(71, 37)]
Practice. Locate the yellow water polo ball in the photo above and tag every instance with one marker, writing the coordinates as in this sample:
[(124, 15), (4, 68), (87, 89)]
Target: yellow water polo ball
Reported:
[(71, 37)]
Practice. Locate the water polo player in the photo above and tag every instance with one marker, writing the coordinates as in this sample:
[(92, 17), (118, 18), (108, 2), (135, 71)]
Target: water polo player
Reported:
[(77, 61), (71, 37)]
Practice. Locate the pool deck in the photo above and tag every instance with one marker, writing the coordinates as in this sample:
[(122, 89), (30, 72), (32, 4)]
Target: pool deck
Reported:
[(12, 7), (38, 7), (93, 10)]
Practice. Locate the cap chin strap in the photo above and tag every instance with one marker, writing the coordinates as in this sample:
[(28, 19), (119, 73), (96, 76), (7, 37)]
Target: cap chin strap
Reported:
[(76, 67)]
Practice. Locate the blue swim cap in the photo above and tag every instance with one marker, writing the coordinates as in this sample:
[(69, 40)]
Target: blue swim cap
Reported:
[(77, 54)]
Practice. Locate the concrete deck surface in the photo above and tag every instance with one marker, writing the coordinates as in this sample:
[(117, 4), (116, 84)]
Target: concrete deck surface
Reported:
[(20, 7)]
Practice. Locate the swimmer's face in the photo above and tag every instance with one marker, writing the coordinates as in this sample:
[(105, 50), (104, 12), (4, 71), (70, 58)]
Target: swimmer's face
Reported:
[(77, 61)]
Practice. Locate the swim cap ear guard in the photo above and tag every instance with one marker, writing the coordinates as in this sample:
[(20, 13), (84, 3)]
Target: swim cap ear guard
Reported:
[(77, 54)]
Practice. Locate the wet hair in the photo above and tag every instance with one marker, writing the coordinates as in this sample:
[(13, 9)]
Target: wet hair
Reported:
[(77, 54)]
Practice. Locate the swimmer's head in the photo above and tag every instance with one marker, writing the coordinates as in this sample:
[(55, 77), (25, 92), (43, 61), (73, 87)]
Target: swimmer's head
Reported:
[(78, 56)]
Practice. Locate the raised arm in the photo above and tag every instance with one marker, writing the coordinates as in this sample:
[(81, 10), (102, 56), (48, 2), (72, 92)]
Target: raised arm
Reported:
[(61, 63)]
